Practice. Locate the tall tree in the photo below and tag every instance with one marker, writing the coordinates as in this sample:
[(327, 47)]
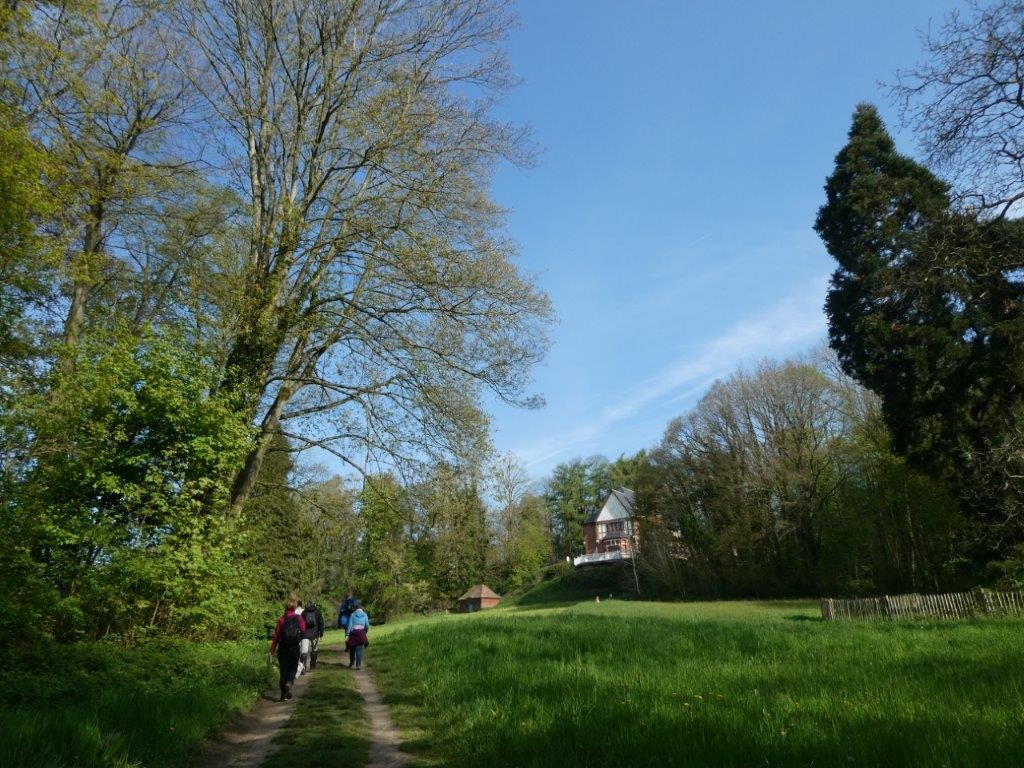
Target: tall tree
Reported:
[(104, 87), (387, 572), (462, 536), (526, 546), (782, 481), (879, 207), (381, 296), (926, 308), (126, 454), (964, 101), (573, 491)]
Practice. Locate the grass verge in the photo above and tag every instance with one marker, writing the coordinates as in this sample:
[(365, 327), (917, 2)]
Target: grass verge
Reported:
[(328, 726), (100, 704), (713, 684)]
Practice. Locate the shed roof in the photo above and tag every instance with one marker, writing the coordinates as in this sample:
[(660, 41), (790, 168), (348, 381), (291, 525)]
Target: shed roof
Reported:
[(480, 590)]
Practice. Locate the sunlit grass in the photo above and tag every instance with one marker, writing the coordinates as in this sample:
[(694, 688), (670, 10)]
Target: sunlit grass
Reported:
[(715, 684), (100, 704)]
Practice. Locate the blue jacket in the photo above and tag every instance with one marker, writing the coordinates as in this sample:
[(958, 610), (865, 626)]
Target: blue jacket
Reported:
[(359, 617)]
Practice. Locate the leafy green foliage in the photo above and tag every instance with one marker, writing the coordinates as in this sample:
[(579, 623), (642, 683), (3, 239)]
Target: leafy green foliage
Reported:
[(574, 489), (782, 482), (527, 548), (302, 531), (128, 457), (461, 536), (388, 575), (26, 266), (165, 329)]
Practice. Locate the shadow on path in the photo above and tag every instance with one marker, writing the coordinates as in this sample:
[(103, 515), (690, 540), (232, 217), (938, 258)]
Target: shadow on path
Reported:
[(247, 741)]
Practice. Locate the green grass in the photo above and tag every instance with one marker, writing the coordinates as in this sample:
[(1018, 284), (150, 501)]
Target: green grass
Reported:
[(562, 584), (100, 704), (713, 684), (328, 727)]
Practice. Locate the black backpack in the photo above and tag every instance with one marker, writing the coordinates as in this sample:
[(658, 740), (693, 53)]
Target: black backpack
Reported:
[(291, 633), (319, 622), (310, 618)]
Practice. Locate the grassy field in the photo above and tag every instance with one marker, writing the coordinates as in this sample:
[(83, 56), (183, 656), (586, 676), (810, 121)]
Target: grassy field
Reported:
[(95, 705), (715, 684)]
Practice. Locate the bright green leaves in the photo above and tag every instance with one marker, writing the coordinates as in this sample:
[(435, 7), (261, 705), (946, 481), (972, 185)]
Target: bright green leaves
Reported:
[(123, 485)]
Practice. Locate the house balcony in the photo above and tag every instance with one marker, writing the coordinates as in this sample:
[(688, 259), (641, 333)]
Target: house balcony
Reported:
[(601, 557)]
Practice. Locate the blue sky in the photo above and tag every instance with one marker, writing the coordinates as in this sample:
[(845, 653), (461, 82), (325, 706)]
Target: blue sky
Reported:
[(684, 150)]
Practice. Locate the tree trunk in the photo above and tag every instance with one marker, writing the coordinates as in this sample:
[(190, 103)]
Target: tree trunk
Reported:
[(245, 479), (911, 543), (80, 288)]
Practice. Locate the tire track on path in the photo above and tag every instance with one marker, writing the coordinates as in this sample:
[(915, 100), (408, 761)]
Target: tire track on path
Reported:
[(248, 741), (385, 742)]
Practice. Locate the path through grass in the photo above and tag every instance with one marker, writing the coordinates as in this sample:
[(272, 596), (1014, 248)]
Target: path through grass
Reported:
[(327, 726), (722, 684)]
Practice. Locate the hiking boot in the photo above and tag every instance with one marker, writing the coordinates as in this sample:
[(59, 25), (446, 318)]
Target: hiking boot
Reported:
[(288, 690)]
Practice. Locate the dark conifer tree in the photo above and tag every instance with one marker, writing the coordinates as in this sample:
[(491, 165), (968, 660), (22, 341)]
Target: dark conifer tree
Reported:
[(925, 309)]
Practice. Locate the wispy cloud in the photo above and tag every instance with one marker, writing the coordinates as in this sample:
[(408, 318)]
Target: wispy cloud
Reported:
[(700, 239), (789, 325)]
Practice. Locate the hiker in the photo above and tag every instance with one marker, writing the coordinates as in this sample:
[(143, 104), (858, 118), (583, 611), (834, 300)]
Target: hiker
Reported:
[(355, 636), (348, 605), (311, 637), (303, 643), (287, 634)]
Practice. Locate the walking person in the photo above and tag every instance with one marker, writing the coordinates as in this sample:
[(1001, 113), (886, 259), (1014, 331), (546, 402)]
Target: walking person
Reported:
[(303, 642), (307, 646), (287, 634), (355, 636), (348, 605)]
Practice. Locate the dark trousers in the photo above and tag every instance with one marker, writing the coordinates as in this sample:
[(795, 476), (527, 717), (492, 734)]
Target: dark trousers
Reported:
[(288, 661)]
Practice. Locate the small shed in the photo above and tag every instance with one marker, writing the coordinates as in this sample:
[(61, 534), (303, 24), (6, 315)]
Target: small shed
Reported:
[(478, 598)]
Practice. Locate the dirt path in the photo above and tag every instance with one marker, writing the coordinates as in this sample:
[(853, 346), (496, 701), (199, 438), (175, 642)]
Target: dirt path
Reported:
[(384, 738), (246, 743)]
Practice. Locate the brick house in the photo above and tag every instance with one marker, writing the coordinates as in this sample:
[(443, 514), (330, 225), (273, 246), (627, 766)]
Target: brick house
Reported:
[(610, 531)]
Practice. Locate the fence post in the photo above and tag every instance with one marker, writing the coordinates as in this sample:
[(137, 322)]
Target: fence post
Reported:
[(986, 595)]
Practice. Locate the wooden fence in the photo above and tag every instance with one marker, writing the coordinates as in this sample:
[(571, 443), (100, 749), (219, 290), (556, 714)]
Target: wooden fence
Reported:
[(953, 605)]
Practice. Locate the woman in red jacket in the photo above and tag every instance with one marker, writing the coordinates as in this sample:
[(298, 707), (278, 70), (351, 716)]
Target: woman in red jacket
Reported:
[(287, 634)]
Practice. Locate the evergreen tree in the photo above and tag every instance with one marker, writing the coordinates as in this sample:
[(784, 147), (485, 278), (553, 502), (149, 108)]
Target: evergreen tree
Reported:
[(926, 308), (387, 573), (878, 208), (570, 495)]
